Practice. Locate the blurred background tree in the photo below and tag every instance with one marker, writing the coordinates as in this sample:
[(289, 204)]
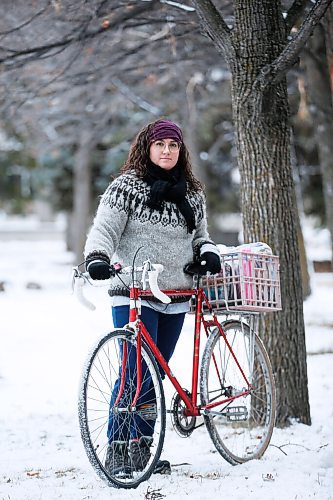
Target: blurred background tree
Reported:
[(132, 63), (70, 66)]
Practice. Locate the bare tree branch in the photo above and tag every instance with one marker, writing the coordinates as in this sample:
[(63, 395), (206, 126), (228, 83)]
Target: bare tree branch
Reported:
[(82, 34), (274, 72), (142, 103), (216, 28), (52, 80), (25, 23), (178, 5)]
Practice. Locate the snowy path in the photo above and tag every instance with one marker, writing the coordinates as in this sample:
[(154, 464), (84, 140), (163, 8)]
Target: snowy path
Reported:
[(44, 338)]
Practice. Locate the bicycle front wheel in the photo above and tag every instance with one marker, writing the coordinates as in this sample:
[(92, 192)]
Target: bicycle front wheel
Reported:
[(241, 428), (123, 443)]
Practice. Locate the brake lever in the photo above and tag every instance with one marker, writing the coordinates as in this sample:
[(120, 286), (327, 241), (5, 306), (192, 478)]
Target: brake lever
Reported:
[(115, 269), (146, 269)]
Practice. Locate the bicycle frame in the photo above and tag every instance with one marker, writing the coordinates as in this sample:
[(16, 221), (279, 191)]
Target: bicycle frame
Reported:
[(192, 407)]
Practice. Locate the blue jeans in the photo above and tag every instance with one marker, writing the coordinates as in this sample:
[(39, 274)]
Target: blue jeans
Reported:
[(164, 330)]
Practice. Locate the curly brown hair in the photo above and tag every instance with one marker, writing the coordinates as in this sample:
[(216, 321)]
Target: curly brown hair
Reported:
[(138, 157)]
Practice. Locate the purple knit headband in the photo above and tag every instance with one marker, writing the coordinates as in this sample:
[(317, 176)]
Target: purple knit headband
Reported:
[(165, 129)]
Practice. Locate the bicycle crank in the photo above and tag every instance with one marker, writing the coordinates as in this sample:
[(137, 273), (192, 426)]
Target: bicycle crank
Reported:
[(183, 424)]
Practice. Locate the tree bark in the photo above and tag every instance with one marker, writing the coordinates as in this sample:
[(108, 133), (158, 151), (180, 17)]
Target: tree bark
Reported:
[(320, 99)]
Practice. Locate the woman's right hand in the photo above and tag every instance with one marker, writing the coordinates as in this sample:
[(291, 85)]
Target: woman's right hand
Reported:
[(209, 262), (99, 269)]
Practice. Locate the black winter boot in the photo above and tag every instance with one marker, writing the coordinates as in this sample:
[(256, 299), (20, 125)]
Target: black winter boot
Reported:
[(116, 461), (139, 452)]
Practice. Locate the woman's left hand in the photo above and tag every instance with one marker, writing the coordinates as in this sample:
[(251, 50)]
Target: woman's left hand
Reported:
[(210, 262)]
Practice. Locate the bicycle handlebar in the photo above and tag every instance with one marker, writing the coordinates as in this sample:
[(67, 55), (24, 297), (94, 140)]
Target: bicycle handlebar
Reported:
[(148, 269), (79, 280), (153, 285)]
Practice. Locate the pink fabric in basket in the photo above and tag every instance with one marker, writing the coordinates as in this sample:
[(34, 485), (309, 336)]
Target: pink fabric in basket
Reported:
[(247, 272)]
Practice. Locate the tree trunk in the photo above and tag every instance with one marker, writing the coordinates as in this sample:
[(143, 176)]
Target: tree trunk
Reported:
[(191, 130), (81, 194), (328, 26), (306, 284), (320, 96), (267, 192)]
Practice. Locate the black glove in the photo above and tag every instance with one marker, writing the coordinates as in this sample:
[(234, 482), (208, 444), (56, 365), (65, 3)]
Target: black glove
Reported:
[(99, 269), (208, 262)]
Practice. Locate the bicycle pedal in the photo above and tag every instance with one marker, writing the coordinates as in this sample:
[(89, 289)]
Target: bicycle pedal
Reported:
[(147, 411), (236, 413)]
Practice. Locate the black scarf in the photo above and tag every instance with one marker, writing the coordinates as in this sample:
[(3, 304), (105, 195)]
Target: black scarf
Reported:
[(169, 185)]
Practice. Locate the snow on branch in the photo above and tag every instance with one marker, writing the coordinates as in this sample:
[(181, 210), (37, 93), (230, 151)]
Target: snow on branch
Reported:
[(181, 6)]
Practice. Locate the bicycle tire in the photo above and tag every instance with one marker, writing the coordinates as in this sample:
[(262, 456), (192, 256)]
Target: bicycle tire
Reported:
[(240, 430), (100, 375)]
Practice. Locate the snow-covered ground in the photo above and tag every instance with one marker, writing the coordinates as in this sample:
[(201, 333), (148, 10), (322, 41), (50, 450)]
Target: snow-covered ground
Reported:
[(44, 337)]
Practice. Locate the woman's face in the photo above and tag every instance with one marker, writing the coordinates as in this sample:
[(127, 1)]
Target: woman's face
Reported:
[(164, 153)]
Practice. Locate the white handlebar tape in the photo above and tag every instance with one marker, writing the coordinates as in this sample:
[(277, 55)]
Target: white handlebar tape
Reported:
[(152, 276), (78, 286)]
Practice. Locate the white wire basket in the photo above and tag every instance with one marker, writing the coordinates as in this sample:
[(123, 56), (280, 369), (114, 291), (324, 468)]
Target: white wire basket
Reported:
[(247, 282)]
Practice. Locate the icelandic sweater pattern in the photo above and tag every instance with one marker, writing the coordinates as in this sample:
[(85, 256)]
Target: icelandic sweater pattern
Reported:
[(124, 222)]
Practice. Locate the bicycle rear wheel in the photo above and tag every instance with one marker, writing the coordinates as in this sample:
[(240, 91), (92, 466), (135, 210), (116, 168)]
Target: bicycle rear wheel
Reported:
[(242, 428), (122, 444)]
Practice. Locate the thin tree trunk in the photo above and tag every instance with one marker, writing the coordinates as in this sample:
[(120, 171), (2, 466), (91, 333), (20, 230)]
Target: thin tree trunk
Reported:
[(199, 167), (321, 109), (191, 129), (81, 194), (306, 284), (328, 26)]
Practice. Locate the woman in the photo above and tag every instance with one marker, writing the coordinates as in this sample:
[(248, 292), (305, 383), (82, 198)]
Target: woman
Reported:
[(158, 206)]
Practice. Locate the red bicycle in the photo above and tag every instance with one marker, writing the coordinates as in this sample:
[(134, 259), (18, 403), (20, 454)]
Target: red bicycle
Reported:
[(232, 385)]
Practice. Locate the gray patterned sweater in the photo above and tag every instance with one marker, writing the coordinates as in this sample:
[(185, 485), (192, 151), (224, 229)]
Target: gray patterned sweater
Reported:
[(124, 222)]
